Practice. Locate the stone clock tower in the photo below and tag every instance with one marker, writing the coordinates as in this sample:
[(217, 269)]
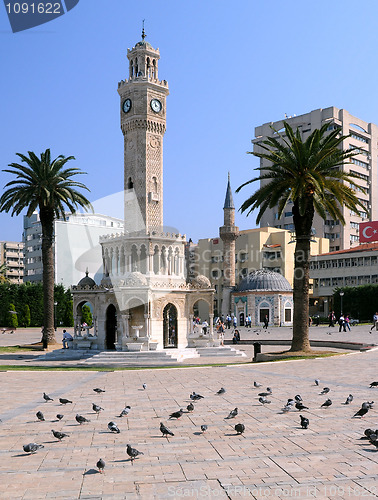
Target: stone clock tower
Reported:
[(143, 122)]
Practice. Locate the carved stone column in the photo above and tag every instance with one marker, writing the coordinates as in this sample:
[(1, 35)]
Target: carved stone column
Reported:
[(211, 332)]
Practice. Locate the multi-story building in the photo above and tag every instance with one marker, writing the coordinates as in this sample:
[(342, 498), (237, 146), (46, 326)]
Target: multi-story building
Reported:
[(261, 248), (352, 267), (76, 246), (362, 135), (12, 255)]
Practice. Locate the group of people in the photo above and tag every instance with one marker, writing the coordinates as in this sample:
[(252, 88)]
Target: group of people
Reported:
[(220, 327), (343, 321)]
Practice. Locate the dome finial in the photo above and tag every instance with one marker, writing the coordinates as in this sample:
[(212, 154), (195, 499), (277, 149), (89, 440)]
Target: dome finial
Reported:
[(143, 32), (86, 272)]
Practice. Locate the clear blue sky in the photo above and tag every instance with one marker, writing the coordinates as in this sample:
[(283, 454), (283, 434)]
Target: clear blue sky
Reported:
[(231, 66)]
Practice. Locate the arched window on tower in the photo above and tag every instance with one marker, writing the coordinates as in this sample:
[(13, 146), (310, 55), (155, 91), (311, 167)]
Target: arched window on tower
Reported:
[(154, 72), (136, 67), (154, 185), (130, 183), (148, 67)]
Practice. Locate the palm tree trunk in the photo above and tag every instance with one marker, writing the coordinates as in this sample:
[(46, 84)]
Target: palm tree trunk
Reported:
[(47, 222), (300, 340)]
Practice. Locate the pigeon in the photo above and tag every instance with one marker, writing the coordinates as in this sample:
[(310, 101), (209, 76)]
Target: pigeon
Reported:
[(361, 412), (267, 393), (144, 386), (64, 401), (222, 390), (263, 400), (325, 390), (349, 399), (195, 397), (233, 413), (59, 416), (368, 404), (46, 397), (326, 403), (133, 453), (291, 402), (100, 465), (177, 414), (300, 406), (256, 384), (367, 433), (373, 437), (373, 384), (298, 398), (287, 408), (165, 431), (32, 447), (190, 407), (40, 416), (125, 412), (80, 419), (240, 428), (304, 422), (317, 381), (98, 390), (59, 435), (96, 408), (112, 426), (203, 428)]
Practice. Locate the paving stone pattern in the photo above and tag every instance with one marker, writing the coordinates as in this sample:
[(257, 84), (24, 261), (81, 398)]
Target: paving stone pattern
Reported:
[(274, 458)]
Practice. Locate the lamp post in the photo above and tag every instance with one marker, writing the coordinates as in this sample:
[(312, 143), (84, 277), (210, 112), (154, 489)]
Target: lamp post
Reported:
[(341, 302), (55, 322)]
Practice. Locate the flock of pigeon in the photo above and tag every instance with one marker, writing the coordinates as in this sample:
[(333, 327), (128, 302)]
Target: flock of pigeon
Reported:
[(292, 404)]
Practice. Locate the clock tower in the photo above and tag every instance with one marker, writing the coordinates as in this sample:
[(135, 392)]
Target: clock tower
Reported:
[(143, 122)]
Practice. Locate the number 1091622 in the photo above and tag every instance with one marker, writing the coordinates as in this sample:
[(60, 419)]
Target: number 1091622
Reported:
[(34, 8)]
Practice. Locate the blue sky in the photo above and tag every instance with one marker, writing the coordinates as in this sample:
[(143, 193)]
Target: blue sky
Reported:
[(231, 66)]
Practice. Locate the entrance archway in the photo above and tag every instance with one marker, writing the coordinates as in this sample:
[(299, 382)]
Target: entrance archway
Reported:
[(110, 327), (170, 333)]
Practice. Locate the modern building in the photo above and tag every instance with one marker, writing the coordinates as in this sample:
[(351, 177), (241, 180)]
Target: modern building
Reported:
[(266, 248), (12, 255), (352, 267), (362, 135), (76, 246)]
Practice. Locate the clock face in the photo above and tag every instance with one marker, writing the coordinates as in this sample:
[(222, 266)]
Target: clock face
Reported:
[(126, 106), (156, 105)]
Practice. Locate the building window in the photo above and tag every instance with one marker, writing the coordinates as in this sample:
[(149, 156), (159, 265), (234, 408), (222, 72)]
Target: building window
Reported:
[(288, 214), (359, 137), (287, 315), (360, 163)]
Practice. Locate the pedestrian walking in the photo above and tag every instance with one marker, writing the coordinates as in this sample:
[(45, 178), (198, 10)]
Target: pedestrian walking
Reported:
[(266, 322), (375, 321)]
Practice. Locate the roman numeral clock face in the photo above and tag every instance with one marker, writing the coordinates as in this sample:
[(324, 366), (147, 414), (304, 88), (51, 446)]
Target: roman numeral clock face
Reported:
[(156, 105)]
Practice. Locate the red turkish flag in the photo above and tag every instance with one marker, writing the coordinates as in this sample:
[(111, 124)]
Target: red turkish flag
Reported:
[(368, 232)]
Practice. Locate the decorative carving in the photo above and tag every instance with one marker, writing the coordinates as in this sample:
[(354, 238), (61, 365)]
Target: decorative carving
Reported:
[(200, 282)]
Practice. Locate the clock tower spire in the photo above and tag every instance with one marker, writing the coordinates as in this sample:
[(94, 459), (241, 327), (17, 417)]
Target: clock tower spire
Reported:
[(143, 123)]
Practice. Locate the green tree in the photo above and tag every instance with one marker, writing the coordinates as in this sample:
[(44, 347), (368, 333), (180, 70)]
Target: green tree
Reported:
[(68, 319), (12, 317), (86, 315), (44, 184), (3, 273), (26, 316), (309, 173)]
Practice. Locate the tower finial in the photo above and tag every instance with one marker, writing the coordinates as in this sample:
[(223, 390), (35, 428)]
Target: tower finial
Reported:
[(143, 32), (228, 176)]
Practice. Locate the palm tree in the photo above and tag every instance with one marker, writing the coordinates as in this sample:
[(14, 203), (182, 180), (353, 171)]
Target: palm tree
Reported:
[(308, 173), (46, 185), (3, 273)]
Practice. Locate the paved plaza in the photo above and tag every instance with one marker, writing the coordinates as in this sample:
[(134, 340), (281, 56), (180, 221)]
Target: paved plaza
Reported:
[(274, 458)]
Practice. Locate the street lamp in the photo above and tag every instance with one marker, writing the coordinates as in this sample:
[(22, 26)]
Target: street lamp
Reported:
[(341, 299), (55, 304)]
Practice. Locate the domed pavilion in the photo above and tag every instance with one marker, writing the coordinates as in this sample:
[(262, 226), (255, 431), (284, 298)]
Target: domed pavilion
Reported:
[(263, 293)]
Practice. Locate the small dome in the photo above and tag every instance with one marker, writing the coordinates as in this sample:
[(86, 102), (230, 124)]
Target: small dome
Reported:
[(86, 281), (200, 281), (266, 280), (144, 44)]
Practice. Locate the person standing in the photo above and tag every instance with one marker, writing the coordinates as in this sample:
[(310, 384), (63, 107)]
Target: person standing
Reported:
[(375, 321), (346, 323), (266, 322), (331, 318), (342, 323), (221, 334)]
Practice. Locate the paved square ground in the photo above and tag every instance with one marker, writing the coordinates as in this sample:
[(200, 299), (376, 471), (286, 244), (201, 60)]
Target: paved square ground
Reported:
[(274, 457)]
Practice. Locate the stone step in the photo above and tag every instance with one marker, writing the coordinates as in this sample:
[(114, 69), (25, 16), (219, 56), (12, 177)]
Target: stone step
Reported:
[(219, 351)]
